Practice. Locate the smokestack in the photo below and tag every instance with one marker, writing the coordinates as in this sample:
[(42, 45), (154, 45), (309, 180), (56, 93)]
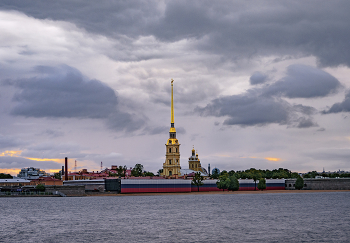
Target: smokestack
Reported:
[(66, 169), (62, 172)]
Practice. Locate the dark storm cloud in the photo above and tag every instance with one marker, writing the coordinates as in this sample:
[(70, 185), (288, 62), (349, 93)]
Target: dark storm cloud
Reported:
[(247, 110), (63, 92), (303, 81), (261, 106), (258, 78), (233, 29), (251, 110), (343, 106), (122, 121), (18, 162)]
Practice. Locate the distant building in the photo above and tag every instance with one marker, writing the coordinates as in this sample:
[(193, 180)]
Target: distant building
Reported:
[(14, 182), (194, 163), (85, 175), (194, 166), (47, 181), (31, 173), (215, 171)]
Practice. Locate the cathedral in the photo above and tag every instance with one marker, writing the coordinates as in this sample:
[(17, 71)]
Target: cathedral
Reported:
[(171, 166)]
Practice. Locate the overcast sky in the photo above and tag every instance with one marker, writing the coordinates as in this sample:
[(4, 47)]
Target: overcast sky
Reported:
[(261, 84)]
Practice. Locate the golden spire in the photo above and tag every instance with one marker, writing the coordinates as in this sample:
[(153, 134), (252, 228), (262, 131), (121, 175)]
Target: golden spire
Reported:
[(172, 127), (172, 102)]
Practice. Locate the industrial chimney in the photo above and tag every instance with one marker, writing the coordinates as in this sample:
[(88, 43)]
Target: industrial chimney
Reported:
[(66, 169)]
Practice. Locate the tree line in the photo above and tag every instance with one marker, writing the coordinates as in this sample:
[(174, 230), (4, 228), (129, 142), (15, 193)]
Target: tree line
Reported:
[(5, 176), (313, 174), (137, 171), (229, 180), (253, 173)]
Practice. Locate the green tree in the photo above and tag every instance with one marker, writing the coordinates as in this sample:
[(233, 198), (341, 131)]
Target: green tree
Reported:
[(222, 182), (262, 184), (148, 173), (57, 176), (231, 173), (137, 170), (255, 175), (232, 183), (160, 171), (299, 184), (40, 187), (120, 171), (197, 180), (5, 176)]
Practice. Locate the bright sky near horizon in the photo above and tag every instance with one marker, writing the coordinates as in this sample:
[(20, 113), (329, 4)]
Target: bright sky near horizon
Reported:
[(261, 84)]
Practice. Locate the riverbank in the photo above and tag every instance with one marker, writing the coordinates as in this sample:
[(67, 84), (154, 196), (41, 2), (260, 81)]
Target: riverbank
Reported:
[(109, 194), (220, 192)]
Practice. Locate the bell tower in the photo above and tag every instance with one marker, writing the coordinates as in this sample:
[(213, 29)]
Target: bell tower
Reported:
[(171, 167), (194, 163)]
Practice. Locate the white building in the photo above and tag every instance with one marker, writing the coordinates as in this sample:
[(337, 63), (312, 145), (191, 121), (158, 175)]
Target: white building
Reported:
[(31, 173)]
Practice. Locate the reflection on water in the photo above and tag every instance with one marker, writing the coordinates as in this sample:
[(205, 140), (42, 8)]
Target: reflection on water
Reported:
[(299, 217)]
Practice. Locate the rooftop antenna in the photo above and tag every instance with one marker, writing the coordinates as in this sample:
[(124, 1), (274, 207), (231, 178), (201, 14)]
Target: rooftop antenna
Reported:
[(101, 166)]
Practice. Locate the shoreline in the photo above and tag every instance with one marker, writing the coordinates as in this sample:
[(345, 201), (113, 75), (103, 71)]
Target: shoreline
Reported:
[(182, 193), (217, 193)]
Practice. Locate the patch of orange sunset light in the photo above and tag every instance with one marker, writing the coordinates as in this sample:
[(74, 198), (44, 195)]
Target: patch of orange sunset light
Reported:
[(38, 159), (13, 171), (54, 170), (11, 153), (272, 159)]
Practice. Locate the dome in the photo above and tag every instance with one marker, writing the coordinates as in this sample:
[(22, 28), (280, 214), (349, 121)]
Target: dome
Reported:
[(215, 169)]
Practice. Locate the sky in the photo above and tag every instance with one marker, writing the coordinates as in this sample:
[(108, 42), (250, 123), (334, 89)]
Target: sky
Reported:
[(258, 84)]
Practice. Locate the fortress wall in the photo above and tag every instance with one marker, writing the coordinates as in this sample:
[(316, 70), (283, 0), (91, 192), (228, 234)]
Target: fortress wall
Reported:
[(321, 184), (68, 190)]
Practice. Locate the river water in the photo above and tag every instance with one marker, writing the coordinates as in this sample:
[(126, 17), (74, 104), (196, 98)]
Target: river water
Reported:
[(280, 217)]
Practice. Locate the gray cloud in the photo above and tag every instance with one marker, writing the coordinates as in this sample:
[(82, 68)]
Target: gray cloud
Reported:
[(261, 106), (53, 150), (258, 78), (162, 130), (343, 106), (53, 133), (247, 110), (236, 30), (306, 123), (8, 142), (251, 110), (63, 92), (303, 81), (330, 154), (18, 162), (122, 121)]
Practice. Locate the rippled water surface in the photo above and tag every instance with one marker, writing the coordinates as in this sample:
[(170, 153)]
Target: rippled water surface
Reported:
[(292, 217)]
